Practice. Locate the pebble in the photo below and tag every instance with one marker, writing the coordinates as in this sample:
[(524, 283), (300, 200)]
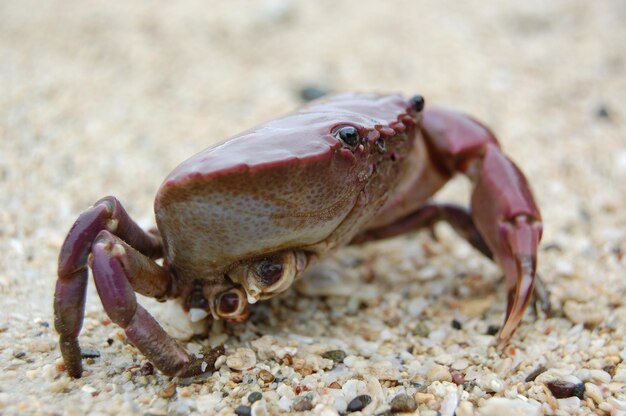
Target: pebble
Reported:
[(242, 359), (255, 396), (168, 391), (266, 376), (584, 313), (243, 410), (359, 403), (438, 373), (39, 346), (89, 353), (562, 389), (498, 406), (535, 373), (423, 398), (302, 405), (592, 391), (465, 409), (336, 355), (403, 403)]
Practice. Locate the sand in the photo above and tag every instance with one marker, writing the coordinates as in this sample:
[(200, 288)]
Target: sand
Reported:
[(100, 98)]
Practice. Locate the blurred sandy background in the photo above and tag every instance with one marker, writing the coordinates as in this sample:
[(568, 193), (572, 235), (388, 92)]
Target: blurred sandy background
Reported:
[(101, 98)]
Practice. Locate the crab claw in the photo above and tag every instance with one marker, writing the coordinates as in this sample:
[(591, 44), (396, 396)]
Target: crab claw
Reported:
[(508, 219), (519, 265)]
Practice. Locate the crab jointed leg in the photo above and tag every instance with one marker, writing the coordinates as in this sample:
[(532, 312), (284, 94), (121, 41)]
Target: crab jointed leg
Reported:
[(504, 222), (122, 265), (502, 204), (113, 263)]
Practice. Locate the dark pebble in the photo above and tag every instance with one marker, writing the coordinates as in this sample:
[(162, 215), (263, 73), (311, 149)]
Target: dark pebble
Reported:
[(336, 355), (602, 112), (359, 402), (302, 406), (44, 324), (562, 389), (255, 396), (19, 354), (456, 324), (89, 353), (311, 93), (492, 329), (147, 369), (403, 403), (243, 410), (533, 375), (110, 341)]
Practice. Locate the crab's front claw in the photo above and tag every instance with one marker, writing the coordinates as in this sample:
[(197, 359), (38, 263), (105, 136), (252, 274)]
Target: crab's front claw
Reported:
[(506, 215), (503, 207)]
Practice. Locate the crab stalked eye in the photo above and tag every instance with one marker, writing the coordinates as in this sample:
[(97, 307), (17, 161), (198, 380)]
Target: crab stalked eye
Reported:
[(349, 135), (269, 271), (274, 274), (417, 102), (230, 304)]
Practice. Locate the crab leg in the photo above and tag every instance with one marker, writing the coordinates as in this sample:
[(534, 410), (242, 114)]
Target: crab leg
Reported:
[(113, 263), (458, 217), (502, 204), (69, 296)]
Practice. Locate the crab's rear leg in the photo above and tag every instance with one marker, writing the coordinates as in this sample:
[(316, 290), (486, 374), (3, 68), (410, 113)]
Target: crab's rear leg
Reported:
[(119, 271), (70, 292)]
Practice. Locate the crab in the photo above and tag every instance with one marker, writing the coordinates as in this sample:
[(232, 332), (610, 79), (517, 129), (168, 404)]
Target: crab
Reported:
[(241, 221)]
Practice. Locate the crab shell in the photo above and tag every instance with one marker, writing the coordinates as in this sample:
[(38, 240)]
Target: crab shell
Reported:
[(290, 183)]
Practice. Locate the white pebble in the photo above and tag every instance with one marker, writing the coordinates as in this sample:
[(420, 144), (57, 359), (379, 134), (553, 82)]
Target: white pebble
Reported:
[(351, 388), (498, 406), (242, 359), (594, 392), (617, 404), (259, 408), (285, 403)]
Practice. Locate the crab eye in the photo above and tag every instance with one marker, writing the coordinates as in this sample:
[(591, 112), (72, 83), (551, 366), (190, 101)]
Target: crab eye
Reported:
[(349, 135), (269, 271), (230, 304), (276, 273)]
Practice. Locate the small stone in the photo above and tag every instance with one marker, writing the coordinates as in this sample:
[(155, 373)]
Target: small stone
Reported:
[(423, 398), (255, 396), (336, 355), (465, 409), (39, 346), (243, 410), (421, 330), (312, 92), (168, 391), (359, 403), (19, 354), (584, 313), (535, 373), (492, 329), (403, 403), (562, 389), (456, 324), (266, 376), (303, 405), (147, 368), (592, 391), (242, 359), (438, 373), (89, 353)]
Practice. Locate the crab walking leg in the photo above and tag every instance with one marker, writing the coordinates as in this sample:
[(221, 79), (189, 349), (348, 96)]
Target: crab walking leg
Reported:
[(458, 217), (113, 262), (69, 296), (502, 204)]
